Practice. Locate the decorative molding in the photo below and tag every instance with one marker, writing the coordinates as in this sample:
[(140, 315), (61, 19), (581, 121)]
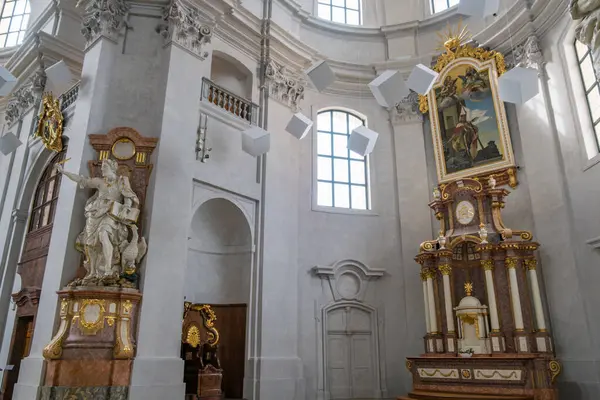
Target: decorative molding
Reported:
[(528, 55), (18, 104), (183, 24), (284, 85), (38, 82), (407, 111), (348, 279), (104, 18)]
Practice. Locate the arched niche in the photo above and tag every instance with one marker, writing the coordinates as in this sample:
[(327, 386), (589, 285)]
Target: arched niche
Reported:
[(219, 254), (231, 74)]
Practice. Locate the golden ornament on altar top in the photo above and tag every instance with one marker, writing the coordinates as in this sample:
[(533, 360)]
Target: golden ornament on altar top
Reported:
[(468, 288), (50, 123)]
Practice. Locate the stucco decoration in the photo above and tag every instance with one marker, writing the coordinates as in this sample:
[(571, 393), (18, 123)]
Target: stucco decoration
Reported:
[(528, 54), (284, 85), (348, 279), (104, 18), (407, 111), (19, 103), (587, 13), (183, 24)]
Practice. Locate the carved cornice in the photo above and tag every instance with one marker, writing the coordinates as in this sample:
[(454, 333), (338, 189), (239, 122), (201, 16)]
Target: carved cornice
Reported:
[(18, 104), (104, 18), (407, 111), (284, 85), (528, 55), (183, 24)]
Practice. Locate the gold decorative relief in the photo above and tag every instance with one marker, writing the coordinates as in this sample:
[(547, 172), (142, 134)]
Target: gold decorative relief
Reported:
[(53, 350), (555, 370), (50, 123), (91, 316), (193, 336), (487, 265), (445, 269), (409, 365)]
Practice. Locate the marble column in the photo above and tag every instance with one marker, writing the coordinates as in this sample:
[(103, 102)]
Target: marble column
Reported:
[(488, 267), (426, 299), (446, 270), (511, 265), (431, 303), (531, 265)]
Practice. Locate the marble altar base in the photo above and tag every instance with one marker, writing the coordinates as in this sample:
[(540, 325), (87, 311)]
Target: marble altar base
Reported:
[(523, 376)]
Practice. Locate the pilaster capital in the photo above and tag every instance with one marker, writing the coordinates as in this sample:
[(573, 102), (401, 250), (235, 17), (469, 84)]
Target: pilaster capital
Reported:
[(423, 274), (284, 85), (528, 54), (487, 265), (184, 25), (445, 269), (407, 111), (103, 18), (18, 104), (511, 262)]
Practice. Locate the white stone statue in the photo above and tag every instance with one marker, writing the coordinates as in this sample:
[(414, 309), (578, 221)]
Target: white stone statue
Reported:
[(492, 182), (483, 234), (587, 13), (436, 193), (109, 216), (442, 240)]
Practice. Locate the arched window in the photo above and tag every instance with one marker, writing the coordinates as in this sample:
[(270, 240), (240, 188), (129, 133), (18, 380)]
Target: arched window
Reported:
[(46, 196), (342, 175), (590, 85), (13, 22), (341, 11), (441, 5)]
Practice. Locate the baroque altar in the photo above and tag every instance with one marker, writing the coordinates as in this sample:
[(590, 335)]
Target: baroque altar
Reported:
[(92, 352), (486, 329)]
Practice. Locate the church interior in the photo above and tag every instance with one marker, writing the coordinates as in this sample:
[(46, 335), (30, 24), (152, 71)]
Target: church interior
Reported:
[(299, 199)]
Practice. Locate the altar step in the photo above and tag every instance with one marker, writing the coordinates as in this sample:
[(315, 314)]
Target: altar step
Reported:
[(432, 395)]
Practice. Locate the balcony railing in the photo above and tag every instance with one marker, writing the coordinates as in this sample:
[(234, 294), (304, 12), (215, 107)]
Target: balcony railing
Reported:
[(222, 98), (69, 97)]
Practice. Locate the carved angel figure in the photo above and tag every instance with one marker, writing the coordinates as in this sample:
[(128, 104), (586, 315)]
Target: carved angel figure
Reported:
[(109, 215), (588, 28)]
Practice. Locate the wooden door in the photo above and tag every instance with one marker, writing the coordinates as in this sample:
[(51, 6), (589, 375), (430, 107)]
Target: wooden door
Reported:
[(231, 324)]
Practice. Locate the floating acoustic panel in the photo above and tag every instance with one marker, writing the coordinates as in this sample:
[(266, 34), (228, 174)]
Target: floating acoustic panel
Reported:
[(518, 85), (7, 81), (299, 125), (256, 141), (478, 8), (362, 140), (9, 143), (389, 88), (421, 79), (321, 75), (59, 78)]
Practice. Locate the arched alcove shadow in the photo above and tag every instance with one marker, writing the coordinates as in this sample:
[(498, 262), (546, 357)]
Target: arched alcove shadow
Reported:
[(231, 74)]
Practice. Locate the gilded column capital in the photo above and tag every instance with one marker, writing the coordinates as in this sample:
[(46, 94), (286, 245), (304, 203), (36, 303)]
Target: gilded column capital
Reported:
[(445, 269), (510, 262), (531, 263), (424, 274), (487, 265)]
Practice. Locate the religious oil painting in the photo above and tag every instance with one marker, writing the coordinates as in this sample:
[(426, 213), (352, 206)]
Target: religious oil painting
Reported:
[(468, 119)]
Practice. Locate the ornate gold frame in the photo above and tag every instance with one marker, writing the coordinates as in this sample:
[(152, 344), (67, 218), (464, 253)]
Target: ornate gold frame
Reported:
[(481, 60)]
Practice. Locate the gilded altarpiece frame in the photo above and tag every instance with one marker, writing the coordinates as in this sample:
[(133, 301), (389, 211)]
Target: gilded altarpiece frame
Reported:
[(469, 127)]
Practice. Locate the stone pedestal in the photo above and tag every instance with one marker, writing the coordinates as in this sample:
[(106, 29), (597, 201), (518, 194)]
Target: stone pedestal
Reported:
[(209, 383), (91, 354)]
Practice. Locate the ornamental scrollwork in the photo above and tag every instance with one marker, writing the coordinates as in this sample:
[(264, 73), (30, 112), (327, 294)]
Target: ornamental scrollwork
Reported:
[(20, 101), (407, 110), (183, 25), (104, 18), (284, 85), (528, 54)]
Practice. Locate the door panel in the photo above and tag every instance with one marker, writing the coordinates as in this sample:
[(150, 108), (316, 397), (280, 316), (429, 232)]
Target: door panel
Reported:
[(338, 369), (231, 324), (362, 365)]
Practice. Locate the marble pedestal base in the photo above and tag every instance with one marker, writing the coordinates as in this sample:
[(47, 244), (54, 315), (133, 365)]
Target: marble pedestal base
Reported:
[(96, 393)]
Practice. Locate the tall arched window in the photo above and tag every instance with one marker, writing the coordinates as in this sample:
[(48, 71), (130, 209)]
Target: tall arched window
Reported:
[(590, 85), (441, 5), (342, 175), (13, 22), (46, 196), (341, 11)]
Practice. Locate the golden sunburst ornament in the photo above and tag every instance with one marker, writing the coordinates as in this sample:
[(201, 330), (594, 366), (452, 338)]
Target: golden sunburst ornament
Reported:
[(468, 288), (450, 39)]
